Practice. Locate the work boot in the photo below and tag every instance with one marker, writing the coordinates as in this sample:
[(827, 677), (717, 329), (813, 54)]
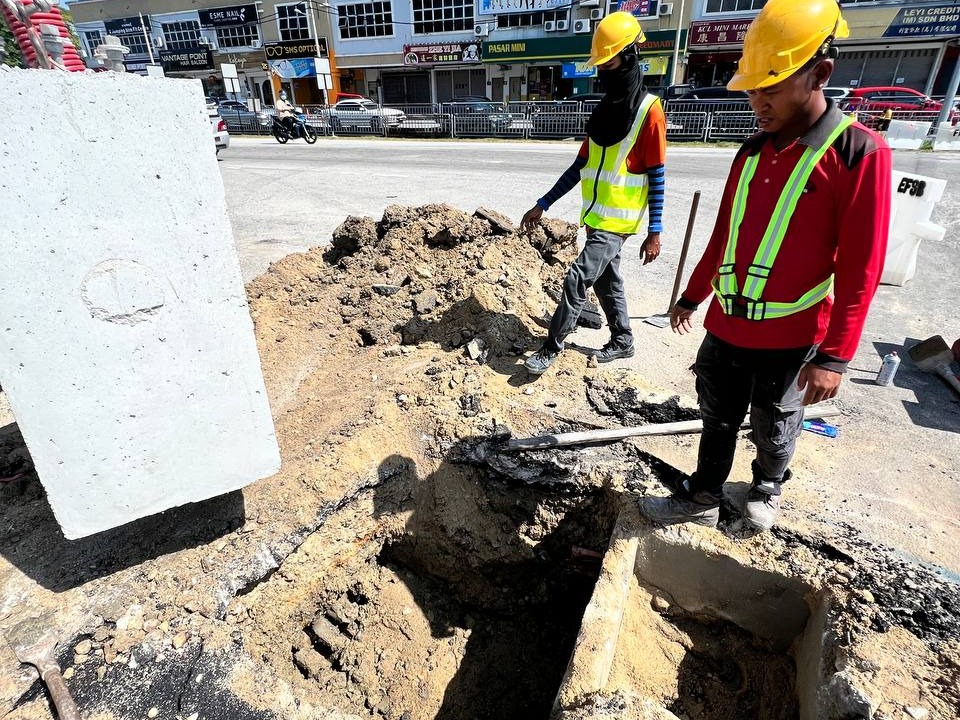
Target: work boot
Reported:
[(612, 352), (679, 509), (763, 501), (542, 359)]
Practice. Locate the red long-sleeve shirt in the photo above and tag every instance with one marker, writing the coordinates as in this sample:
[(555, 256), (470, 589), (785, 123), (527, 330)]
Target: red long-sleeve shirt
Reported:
[(839, 226)]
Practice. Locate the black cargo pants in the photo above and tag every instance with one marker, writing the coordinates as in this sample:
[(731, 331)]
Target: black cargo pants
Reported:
[(729, 380), (597, 266)]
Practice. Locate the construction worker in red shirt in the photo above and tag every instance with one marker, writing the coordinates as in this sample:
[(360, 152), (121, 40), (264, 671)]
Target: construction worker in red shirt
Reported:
[(620, 168), (792, 265)]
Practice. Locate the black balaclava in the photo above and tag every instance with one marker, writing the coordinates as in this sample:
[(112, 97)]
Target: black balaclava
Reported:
[(611, 119)]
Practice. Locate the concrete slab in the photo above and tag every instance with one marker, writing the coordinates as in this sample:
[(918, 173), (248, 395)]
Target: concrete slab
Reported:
[(127, 354)]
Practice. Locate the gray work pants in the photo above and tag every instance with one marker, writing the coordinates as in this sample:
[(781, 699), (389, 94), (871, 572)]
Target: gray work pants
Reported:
[(597, 266), (729, 380)]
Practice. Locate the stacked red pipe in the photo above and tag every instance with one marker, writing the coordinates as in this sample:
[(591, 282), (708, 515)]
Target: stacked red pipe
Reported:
[(71, 58)]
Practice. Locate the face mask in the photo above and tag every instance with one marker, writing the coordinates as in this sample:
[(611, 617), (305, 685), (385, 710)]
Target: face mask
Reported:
[(617, 82)]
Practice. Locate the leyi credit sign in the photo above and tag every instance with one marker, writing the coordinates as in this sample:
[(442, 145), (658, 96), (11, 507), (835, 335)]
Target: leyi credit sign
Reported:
[(926, 21)]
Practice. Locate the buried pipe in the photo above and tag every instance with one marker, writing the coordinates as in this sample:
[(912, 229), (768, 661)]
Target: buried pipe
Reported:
[(552, 440)]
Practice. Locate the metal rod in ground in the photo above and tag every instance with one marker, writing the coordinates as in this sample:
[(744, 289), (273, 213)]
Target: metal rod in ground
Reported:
[(616, 434), (662, 321)]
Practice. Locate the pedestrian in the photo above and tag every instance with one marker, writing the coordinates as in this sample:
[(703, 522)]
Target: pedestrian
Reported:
[(620, 168), (793, 262)]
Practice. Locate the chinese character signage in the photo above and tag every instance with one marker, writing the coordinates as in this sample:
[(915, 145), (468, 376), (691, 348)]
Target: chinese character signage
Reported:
[(639, 8), (926, 21), (724, 32), (127, 26), (224, 16), (504, 7), (198, 58), (439, 53)]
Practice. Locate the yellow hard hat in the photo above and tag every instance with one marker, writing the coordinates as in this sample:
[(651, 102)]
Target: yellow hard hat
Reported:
[(783, 37), (613, 34)]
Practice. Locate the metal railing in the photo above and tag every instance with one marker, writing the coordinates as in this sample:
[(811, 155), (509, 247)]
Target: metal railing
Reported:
[(704, 121)]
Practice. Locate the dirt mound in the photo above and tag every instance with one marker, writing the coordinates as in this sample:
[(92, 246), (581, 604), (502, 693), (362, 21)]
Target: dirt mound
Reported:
[(401, 565)]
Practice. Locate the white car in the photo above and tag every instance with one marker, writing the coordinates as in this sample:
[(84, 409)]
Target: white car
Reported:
[(221, 138), (364, 114)]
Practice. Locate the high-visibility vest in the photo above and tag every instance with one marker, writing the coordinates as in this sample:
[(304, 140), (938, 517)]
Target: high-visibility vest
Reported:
[(613, 198), (748, 303)]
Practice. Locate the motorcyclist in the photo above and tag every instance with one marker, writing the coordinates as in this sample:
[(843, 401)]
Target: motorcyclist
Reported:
[(285, 112)]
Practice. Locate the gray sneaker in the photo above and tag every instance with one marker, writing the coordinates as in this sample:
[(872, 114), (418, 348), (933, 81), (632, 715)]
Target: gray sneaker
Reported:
[(541, 360), (612, 352), (761, 507), (675, 509)]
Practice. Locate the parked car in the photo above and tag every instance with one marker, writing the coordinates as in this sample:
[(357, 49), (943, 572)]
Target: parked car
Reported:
[(837, 94), (894, 98), (476, 117), (565, 118), (221, 137), (232, 105), (362, 113)]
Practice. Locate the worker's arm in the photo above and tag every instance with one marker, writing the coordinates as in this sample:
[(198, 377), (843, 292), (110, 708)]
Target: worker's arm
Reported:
[(565, 183), (700, 286), (861, 250)]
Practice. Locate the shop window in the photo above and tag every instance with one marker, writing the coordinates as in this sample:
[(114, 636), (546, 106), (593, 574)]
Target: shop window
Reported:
[(93, 40), (435, 16), (237, 36), (514, 20), (136, 43), (363, 20), (293, 22), (729, 6), (181, 35)]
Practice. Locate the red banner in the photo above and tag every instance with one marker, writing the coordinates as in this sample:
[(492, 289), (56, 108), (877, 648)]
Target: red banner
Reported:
[(723, 33)]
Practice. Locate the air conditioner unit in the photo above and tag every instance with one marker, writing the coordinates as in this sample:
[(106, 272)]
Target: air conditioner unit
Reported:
[(481, 30), (581, 26), (596, 14), (256, 43), (664, 9), (563, 25), (157, 41), (549, 25)]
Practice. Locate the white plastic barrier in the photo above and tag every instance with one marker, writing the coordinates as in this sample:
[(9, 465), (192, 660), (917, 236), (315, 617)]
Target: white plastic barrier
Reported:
[(947, 137), (907, 134), (914, 197), (128, 353)]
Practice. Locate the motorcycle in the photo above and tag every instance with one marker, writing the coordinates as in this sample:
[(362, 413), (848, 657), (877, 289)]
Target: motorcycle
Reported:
[(298, 129)]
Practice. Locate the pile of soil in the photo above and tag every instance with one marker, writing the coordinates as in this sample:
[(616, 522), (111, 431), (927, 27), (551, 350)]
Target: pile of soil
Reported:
[(401, 565)]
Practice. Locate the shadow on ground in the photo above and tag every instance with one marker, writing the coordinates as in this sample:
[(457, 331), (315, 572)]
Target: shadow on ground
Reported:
[(31, 539)]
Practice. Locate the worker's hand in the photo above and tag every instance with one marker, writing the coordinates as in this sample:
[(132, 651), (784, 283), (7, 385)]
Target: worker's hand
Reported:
[(680, 320), (650, 248), (820, 383), (531, 218)]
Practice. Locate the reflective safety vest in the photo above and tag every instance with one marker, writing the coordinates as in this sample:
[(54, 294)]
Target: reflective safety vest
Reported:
[(748, 303), (613, 198)]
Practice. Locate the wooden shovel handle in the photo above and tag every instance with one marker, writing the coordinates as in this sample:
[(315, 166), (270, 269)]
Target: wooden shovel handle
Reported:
[(943, 371), (62, 700)]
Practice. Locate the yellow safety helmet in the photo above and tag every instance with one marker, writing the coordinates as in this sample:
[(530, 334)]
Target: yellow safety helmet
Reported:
[(783, 38), (613, 34)]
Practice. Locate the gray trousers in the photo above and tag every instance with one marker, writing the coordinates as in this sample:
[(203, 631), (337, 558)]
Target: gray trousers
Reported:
[(729, 380), (597, 266)]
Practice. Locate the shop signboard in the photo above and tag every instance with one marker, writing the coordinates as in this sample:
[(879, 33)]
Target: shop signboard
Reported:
[(288, 49), (638, 8), (654, 65), (938, 20), (195, 58), (293, 68), (127, 26), (577, 70), (441, 53), (568, 48), (506, 7), (226, 16), (719, 33)]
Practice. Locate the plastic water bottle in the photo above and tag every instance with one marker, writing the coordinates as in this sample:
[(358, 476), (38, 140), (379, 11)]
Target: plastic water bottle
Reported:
[(888, 369)]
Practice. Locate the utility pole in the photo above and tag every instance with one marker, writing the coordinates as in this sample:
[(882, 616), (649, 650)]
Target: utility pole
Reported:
[(316, 38), (676, 45), (146, 38)]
